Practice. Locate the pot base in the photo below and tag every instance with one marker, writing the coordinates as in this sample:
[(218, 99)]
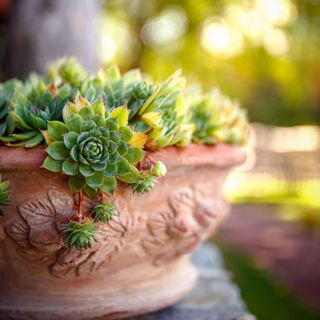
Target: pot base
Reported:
[(138, 298)]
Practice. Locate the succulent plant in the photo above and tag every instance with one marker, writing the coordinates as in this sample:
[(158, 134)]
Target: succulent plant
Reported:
[(79, 235), (33, 107), (93, 148), (218, 119), (162, 117), (104, 211), (66, 70), (4, 195), (7, 91), (158, 112)]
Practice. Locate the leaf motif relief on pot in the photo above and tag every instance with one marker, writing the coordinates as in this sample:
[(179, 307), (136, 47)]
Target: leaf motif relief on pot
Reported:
[(37, 234), (190, 216)]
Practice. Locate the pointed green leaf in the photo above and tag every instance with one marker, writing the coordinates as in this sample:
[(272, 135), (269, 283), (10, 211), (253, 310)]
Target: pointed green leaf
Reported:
[(52, 165), (123, 167), (33, 142), (70, 139), (74, 123), (25, 135), (91, 193), (126, 133), (86, 170), (95, 181), (134, 155), (70, 167), (86, 112), (56, 130), (110, 170), (88, 125), (98, 166), (131, 177), (109, 184), (77, 182), (98, 108), (74, 153), (112, 73), (121, 114), (58, 151)]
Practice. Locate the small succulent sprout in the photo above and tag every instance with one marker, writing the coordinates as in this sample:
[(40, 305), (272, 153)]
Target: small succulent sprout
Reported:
[(158, 169), (92, 147), (144, 183), (79, 235), (103, 212), (4, 195)]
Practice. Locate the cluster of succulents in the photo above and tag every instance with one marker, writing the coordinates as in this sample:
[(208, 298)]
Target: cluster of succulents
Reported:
[(218, 119), (4, 195), (99, 128)]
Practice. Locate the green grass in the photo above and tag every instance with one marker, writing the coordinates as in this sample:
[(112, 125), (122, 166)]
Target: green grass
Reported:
[(265, 297), (296, 201)]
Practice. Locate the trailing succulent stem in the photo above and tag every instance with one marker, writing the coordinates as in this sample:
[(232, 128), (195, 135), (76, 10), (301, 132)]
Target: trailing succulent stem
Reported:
[(4, 195)]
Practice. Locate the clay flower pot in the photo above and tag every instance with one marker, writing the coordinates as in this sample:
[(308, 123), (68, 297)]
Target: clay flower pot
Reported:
[(140, 260)]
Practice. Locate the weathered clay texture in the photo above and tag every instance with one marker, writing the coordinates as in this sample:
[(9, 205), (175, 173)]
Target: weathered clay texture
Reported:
[(138, 263)]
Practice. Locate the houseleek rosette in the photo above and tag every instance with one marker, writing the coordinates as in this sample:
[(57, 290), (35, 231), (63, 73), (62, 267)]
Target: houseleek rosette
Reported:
[(104, 211), (32, 108), (7, 92), (217, 119), (79, 235), (93, 148), (163, 116), (66, 70)]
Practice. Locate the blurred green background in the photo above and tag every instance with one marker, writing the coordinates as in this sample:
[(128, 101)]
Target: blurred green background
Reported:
[(264, 53)]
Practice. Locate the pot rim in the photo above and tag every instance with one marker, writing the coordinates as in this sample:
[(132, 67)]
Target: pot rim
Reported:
[(220, 155)]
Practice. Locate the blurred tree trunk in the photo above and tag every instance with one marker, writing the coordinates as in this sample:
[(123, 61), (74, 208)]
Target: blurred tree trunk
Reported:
[(42, 30)]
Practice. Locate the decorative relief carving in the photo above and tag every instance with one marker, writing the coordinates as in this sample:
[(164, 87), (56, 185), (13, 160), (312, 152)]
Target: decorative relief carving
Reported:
[(37, 234), (191, 216), (188, 218)]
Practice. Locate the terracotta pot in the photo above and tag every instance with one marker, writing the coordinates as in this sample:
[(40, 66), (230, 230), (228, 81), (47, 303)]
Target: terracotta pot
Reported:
[(140, 261)]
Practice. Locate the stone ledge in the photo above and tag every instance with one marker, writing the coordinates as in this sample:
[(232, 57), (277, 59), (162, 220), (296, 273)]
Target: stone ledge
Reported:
[(215, 297)]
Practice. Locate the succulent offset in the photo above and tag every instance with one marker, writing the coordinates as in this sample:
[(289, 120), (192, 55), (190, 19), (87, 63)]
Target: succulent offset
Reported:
[(4, 195), (79, 235), (103, 212)]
